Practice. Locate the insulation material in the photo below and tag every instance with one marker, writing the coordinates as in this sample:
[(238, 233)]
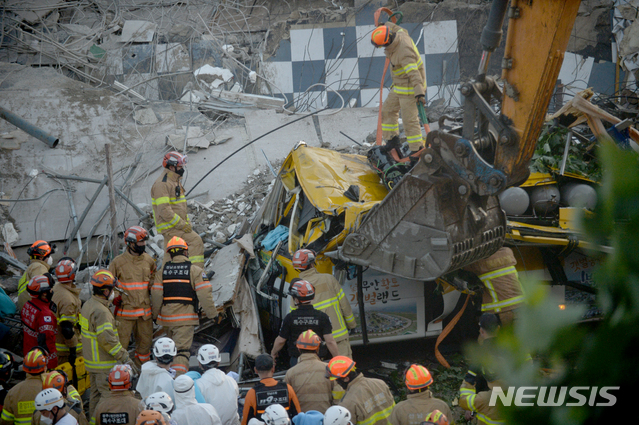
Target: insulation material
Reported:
[(245, 307)]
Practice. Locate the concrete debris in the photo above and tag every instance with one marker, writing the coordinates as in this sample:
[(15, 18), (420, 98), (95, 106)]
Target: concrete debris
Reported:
[(145, 116), (213, 77), (9, 234), (138, 31)]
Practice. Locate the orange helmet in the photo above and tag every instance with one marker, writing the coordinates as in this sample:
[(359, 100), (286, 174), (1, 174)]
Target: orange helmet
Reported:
[(308, 340), (65, 270), (150, 417), (303, 259), (35, 362), (120, 378), (103, 279), (381, 36), (39, 284), (39, 249), (436, 417), (54, 380), (176, 243), (339, 367), (302, 290), (136, 234), (175, 159), (418, 377)]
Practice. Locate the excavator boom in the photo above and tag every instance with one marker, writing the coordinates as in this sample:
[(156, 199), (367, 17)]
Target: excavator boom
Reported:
[(445, 213)]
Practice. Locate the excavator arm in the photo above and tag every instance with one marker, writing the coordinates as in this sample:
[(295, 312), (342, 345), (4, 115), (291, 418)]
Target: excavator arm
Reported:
[(445, 213)]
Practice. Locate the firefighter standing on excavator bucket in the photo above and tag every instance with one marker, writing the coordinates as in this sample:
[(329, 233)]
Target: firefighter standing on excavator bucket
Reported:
[(135, 270), (329, 298), (180, 286), (169, 208), (409, 85)]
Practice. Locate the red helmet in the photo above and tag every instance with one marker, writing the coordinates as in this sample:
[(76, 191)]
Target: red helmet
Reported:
[(35, 362), (303, 259), (176, 244), (40, 249), (39, 284), (135, 234), (120, 378), (175, 159), (54, 380), (381, 36), (339, 367), (302, 290), (418, 377), (103, 279), (436, 417), (308, 340), (65, 270)]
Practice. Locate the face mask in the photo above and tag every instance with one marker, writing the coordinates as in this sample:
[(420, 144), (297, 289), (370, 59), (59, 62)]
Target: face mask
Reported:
[(342, 383), (50, 261), (45, 420), (137, 249), (180, 172)]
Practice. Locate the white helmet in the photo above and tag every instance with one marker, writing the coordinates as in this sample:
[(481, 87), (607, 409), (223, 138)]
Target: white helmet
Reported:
[(208, 353), (275, 414), (160, 402), (337, 415), (164, 350), (47, 399)]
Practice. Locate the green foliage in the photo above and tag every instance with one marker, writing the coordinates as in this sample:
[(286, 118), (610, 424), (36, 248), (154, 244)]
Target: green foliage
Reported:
[(583, 354), (550, 151)]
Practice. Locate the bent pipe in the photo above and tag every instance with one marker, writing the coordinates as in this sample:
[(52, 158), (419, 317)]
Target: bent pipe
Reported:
[(29, 128)]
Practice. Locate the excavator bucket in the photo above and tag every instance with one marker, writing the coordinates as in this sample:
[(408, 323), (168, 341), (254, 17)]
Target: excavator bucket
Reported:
[(431, 223)]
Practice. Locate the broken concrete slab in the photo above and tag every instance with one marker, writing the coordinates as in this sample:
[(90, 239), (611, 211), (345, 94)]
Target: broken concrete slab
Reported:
[(9, 234), (213, 77), (172, 57), (145, 116), (138, 31), (259, 101), (228, 264)]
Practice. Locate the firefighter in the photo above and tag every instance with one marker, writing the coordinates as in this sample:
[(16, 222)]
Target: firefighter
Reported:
[(6, 372), (267, 392), (39, 323), (50, 403), (18, 405), (313, 390), (59, 382), (135, 271), (419, 400), (120, 406), (409, 85), (368, 400), (40, 262), (329, 298), (503, 292), (66, 297), (304, 317), (217, 388), (157, 374), (478, 402), (101, 346), (178, 289), (169, 207)]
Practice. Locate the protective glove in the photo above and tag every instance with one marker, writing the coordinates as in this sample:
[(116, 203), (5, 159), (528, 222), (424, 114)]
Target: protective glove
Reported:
[(134, 367), (187, 228), (420, 98), (117, 301)]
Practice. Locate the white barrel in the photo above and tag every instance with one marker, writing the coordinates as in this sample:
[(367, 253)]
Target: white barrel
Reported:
[(545, 199), (514, 201), (579, 195)]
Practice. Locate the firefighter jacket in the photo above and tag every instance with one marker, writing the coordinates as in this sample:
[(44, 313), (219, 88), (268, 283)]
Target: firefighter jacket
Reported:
[(66, 297), (407, 67), (136, 274), (502, 289), (39, 325), (369, 400), (19, 404), (101, 346), (117, 408), (178, 289), (478, 402), (169, 202), (220, 391), (36, 268), (308, 379), (153, 379), (330, 298), (269, 391), (414, 409)]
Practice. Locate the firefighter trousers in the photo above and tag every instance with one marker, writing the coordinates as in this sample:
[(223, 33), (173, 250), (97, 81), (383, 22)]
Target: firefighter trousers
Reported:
[(142, 330), (193, 241), (344, 348), (99, 388), (183, 338), (410, 117)]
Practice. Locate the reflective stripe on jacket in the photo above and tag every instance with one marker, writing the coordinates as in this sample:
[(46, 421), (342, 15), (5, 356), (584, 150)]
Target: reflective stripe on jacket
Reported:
[(66, 296), (470, 400), (369, 400), (502, 289), (169, 207), (414, 409), (101, 346), (330, 298), (407, 71), (135, 273), (19, 403)]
